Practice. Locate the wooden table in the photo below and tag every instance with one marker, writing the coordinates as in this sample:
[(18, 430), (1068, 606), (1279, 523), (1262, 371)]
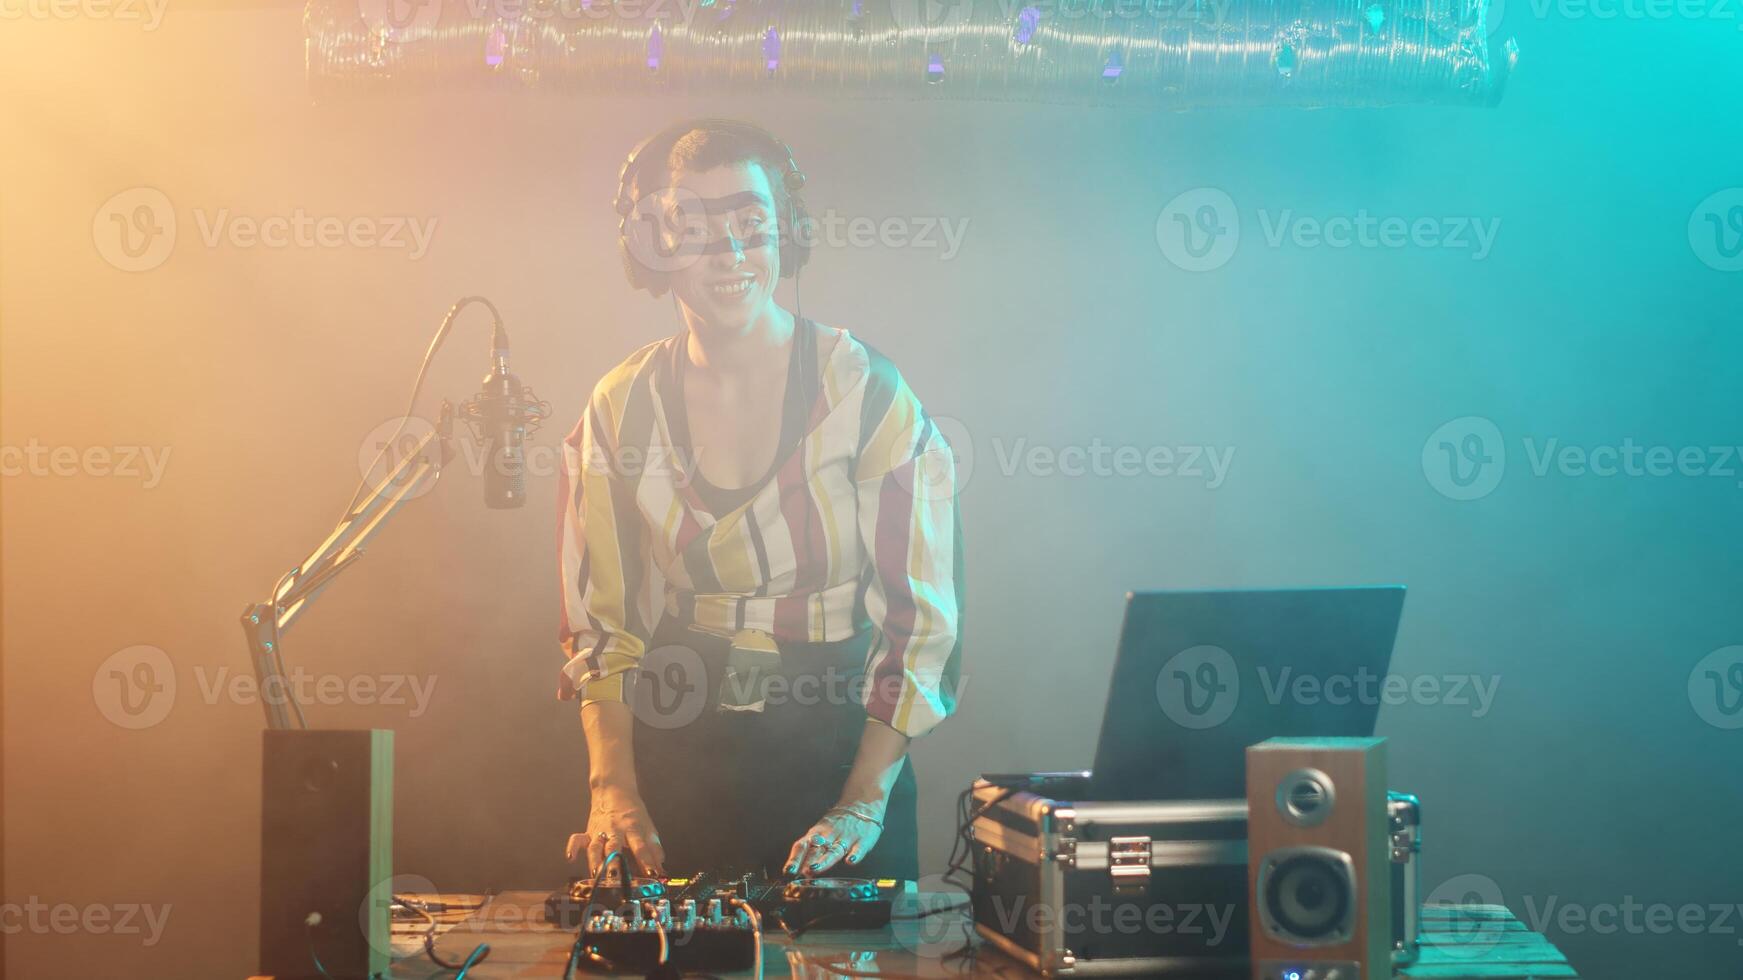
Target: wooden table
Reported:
[(1458, 942)]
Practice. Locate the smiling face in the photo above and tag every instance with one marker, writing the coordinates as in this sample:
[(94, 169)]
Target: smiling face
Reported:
[(728, 213)]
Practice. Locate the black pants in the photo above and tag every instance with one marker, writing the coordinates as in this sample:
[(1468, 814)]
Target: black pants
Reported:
[(734, 790)]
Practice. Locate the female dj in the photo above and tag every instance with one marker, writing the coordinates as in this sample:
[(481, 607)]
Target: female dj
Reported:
[(760, 550)]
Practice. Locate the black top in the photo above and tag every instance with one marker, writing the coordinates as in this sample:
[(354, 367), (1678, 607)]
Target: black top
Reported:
[(801, 380)]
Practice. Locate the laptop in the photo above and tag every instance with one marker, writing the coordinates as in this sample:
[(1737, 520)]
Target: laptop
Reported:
[(1199, 676)]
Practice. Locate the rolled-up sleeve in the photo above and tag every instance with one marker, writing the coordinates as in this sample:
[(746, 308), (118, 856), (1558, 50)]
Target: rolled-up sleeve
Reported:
[(602, 554), (910, 527)]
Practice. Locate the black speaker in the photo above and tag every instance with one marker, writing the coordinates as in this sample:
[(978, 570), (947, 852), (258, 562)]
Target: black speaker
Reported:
[(326, 854)]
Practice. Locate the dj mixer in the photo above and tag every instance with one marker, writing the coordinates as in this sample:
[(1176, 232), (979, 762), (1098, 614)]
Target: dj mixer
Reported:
[(708, 921)]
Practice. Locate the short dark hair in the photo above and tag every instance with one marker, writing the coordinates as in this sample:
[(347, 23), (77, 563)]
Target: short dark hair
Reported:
[(710, 143)]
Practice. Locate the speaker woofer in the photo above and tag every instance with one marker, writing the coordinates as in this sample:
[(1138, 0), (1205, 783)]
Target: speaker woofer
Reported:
[(1307, 895)]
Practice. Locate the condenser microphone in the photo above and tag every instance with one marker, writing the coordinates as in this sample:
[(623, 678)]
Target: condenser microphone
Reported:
[(502, 416)]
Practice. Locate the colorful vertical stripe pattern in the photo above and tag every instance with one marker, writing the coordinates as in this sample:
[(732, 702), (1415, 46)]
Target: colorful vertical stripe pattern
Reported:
[(858, 529)]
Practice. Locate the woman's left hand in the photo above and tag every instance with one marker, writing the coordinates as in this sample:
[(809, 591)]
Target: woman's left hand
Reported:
[(847, 830)]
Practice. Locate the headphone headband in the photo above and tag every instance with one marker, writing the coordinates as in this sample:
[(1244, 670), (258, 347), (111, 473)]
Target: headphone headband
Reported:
[(793, 179)]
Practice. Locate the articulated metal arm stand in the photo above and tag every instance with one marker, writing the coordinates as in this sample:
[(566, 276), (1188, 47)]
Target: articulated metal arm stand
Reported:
[(264, 623)]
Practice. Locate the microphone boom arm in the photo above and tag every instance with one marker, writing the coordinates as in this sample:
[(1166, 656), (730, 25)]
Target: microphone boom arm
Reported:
[(264, 623)]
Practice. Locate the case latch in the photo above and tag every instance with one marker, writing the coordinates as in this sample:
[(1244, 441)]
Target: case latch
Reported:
[(1129, 864)]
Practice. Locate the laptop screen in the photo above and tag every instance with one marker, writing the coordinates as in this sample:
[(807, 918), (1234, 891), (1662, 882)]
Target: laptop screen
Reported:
[(1199, 676)]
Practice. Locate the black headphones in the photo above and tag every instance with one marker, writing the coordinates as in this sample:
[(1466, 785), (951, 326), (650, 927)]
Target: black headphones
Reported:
[(795, 250)]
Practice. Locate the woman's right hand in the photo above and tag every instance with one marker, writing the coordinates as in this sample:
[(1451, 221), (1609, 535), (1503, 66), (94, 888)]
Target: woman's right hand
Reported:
[(618, 821)]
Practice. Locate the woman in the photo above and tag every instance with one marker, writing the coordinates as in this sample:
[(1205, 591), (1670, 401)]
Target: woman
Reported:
[(759, 534)]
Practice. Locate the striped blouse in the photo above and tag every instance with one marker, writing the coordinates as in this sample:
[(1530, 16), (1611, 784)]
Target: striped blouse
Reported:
[(858, 528)]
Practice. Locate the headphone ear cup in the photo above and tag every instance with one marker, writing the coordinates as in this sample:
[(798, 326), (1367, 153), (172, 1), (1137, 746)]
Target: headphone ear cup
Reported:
[(638, 274), (631, 268)]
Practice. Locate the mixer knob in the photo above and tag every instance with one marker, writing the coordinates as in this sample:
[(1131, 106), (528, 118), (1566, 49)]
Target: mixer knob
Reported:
[(713, 912)]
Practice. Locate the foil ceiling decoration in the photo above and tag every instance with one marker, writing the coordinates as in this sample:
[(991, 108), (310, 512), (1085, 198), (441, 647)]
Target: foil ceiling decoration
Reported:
[(1176, 54)]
